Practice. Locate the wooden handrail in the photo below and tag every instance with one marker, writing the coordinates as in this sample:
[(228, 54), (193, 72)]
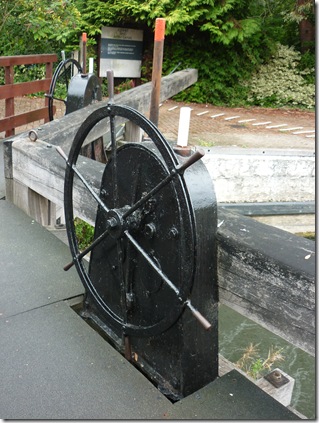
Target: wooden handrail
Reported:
[(23, 88), (32, 59)]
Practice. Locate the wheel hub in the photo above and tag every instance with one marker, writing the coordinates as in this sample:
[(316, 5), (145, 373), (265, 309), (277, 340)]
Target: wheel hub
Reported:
[(117, 223)]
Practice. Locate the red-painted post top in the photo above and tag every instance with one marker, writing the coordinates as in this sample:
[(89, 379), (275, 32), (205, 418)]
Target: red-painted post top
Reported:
[(159, 29)]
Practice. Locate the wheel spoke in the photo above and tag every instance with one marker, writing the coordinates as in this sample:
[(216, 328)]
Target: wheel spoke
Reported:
[(202, 320), (82, 179), (178, 170), (128, 280), (120, 253), (152, 263), (114, 162), (58, 99), (65, 76), (88, 249)]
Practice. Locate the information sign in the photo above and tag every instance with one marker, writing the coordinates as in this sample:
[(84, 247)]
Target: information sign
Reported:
[(121, 51)]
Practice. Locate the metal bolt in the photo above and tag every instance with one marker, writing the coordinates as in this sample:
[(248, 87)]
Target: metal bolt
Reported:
[(173, 233), (112, 222), (276, 378), (149, 230)]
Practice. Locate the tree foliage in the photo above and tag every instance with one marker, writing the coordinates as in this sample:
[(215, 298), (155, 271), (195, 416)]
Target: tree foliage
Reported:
[(222, 21), (37, 26), (226, 40)]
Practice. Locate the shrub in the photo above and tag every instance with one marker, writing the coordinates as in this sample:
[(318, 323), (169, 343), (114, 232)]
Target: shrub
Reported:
[(282, 82), (220, 68), (84, 233)]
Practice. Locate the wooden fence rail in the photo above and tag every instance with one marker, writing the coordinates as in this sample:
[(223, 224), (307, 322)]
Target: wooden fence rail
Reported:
[(11, 90)]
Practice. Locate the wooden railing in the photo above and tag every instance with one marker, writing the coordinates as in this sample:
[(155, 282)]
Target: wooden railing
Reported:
[(11, 90)]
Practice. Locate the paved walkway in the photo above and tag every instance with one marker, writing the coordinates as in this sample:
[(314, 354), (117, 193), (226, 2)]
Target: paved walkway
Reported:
[(220, 126), (239, 127)]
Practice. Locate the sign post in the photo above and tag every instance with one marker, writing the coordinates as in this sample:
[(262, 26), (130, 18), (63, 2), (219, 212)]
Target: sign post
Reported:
[(157, 69)]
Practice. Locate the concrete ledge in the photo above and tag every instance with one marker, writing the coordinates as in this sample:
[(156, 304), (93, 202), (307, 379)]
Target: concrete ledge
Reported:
[(257, 175)]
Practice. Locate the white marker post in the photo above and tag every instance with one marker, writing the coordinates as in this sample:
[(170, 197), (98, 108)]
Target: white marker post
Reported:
[(183, 127), (91, 64)]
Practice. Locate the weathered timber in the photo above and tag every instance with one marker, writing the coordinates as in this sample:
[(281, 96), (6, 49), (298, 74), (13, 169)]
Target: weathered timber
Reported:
[(272, 208), (268, 275)]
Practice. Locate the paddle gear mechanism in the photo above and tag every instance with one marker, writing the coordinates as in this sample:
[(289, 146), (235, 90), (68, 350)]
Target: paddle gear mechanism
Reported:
[(150, 270)]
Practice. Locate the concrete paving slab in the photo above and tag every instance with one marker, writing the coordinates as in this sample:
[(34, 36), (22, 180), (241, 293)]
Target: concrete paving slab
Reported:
[(31, 264), (55, 366), (231, 397)]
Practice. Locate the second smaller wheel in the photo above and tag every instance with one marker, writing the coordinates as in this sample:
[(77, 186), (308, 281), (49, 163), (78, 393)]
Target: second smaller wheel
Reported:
[(59, 87)]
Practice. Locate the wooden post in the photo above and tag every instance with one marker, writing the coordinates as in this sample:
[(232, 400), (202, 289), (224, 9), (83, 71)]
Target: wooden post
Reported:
[(8, 171), (8, 78), (84, 40), (157, 69)]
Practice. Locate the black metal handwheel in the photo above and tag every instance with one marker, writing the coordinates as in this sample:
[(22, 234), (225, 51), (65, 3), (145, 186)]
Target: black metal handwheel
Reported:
[(60, 84), (141, 262)]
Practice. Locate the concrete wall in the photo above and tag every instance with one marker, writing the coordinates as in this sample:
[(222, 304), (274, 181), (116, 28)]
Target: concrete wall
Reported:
[(257, 175)]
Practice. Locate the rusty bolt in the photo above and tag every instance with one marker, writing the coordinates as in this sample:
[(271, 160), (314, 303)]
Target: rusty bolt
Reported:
[(277, 375), (276, 378)]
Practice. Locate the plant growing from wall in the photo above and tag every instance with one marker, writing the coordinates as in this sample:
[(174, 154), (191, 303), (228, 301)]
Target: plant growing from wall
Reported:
[(254, 365), (84, 233)]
